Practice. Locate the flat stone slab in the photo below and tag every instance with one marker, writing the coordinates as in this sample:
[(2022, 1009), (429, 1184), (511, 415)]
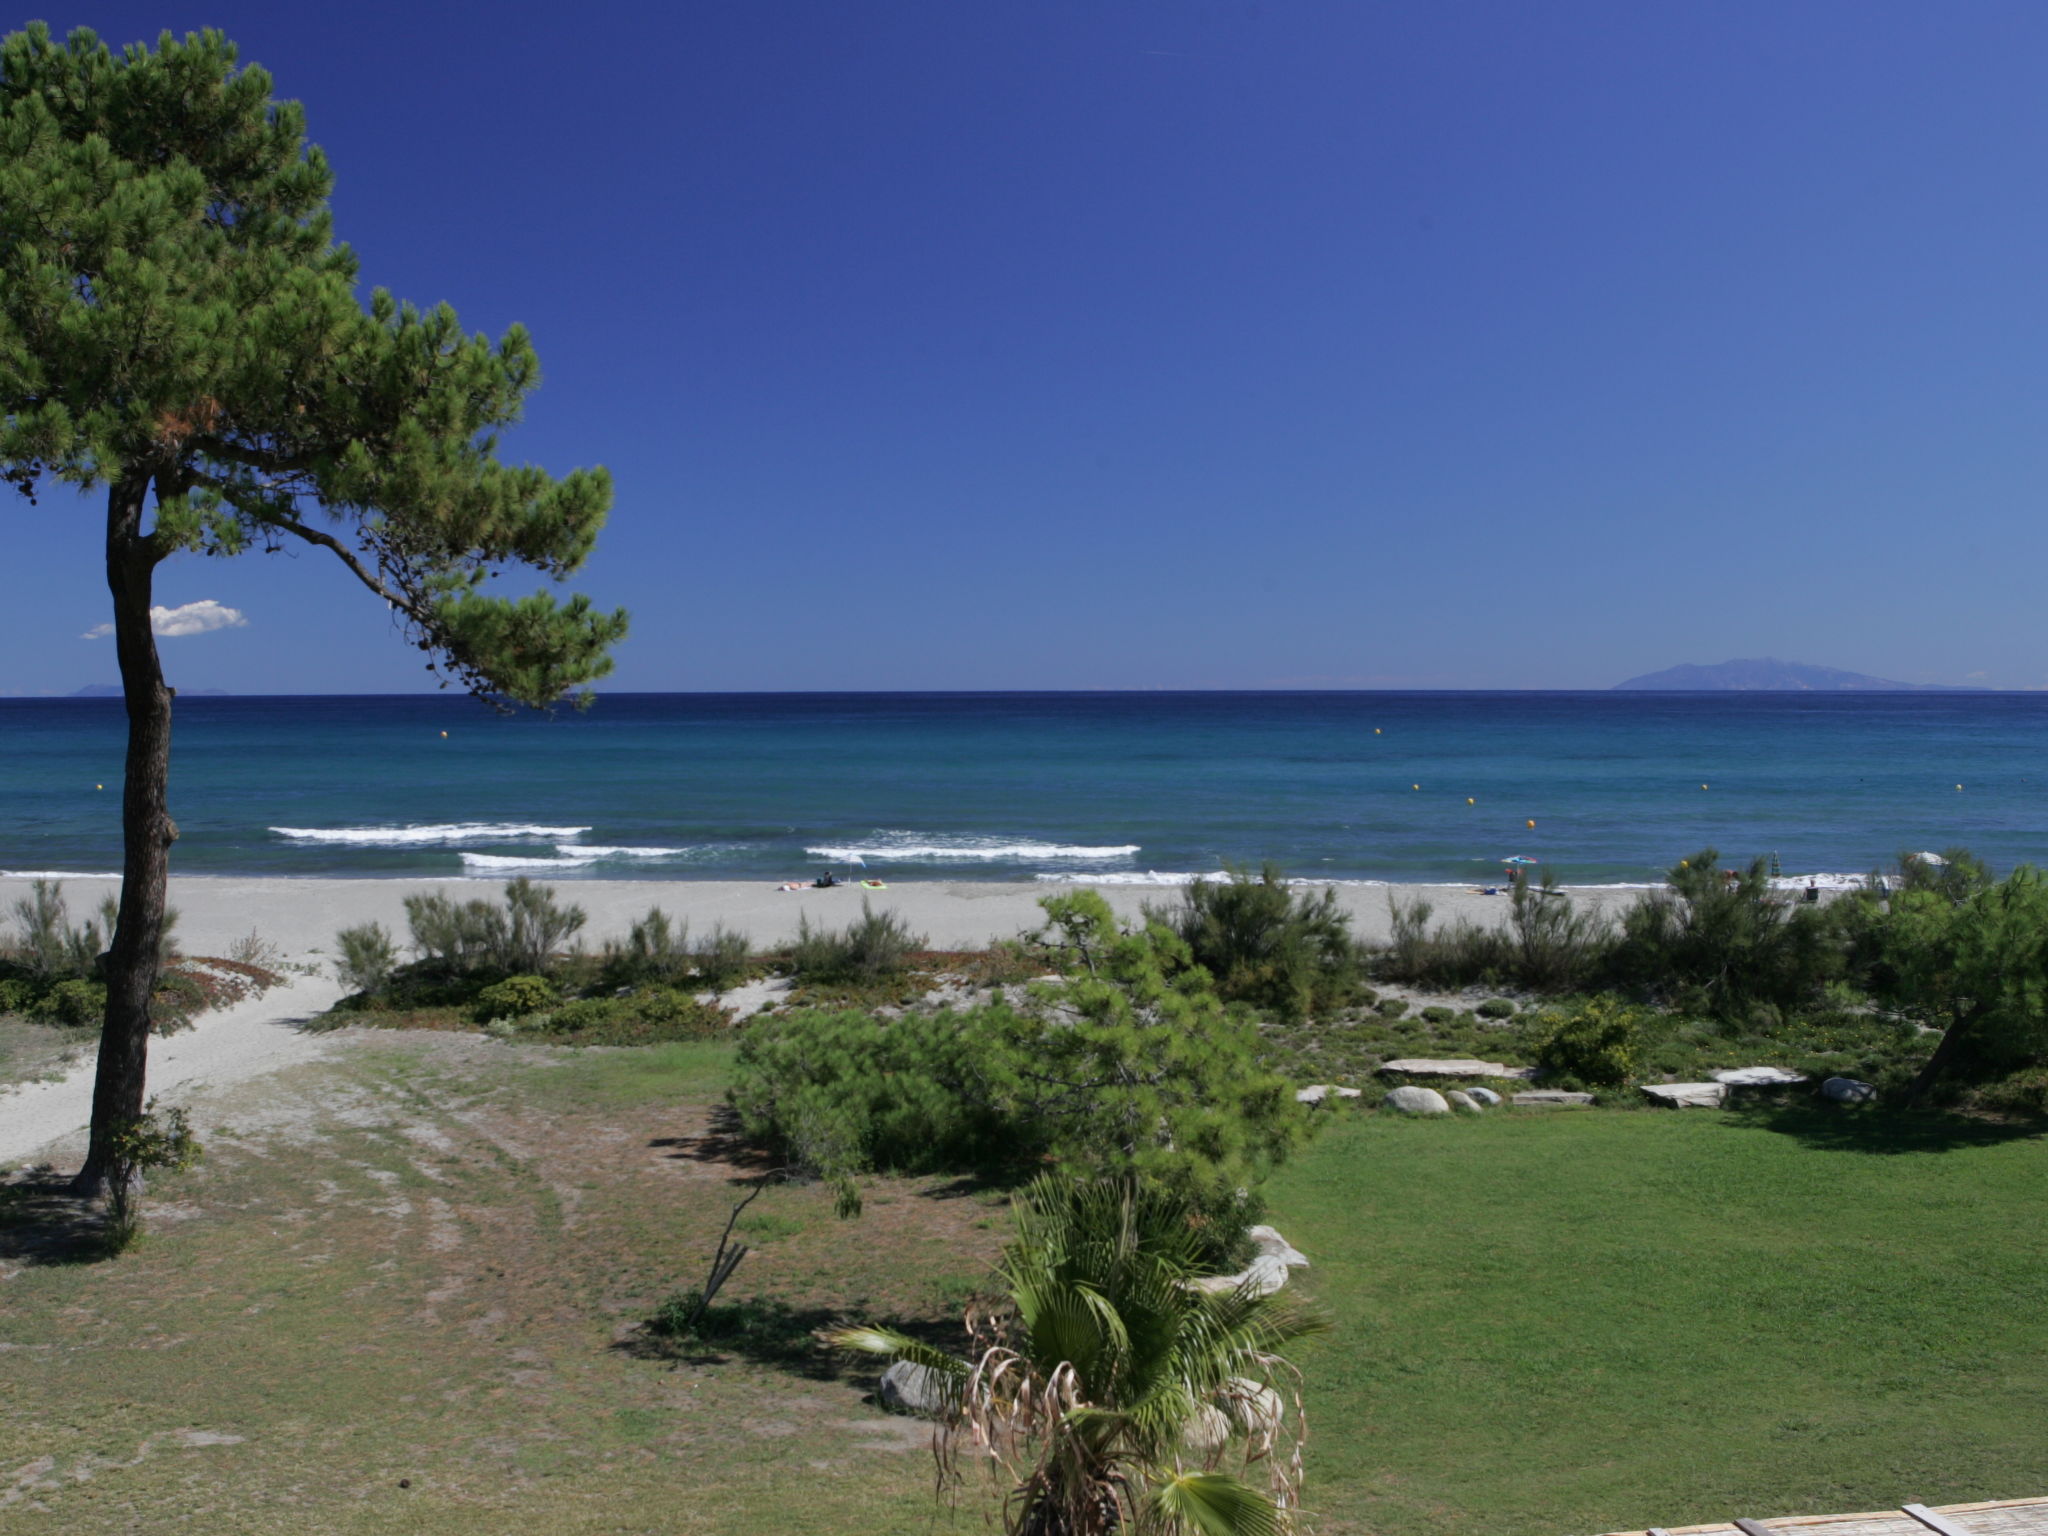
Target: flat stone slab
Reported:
[(1847, 1090), (1687, 1095), (1429, 1066), (1315, 1093), (1758, 1077), (1543, 1096)]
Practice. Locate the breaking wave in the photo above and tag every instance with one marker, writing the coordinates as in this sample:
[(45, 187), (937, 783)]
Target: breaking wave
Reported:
[(440, 834), (945, 848)]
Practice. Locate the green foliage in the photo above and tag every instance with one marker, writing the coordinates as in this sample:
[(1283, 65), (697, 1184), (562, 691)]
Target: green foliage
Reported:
[(469, 937), (1722, 943), (1496, 1008), (1110, 1388), (648, 1017), (157, 1138), (1390, 1007), (722, 958), (1546, 944), (515, 997), (1266, 943), (1133, 1064), (654, 949), (1597, 1042), (877, 947), (76, 1003), (48, 948), (174, 309), (1436, 1013), (1975, 969), (368, 957), (1955, 874)]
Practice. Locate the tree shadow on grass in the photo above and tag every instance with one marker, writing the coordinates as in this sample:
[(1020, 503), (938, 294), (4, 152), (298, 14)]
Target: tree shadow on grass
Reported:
[(766, 1330), (1879, 1130), (42, 1223), (722, 1142)]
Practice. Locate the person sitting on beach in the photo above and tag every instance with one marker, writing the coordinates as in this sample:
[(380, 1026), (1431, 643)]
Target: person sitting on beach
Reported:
[(826, 881)]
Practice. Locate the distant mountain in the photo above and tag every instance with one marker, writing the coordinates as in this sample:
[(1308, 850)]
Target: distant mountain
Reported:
[(113, 691), (1768, 675)]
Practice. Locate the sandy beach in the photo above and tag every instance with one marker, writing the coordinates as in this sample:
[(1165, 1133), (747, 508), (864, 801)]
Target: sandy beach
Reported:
[(301, 916)]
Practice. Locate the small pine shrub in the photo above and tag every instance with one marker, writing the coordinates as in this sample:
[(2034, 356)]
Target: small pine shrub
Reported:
[(1496, 1008), (368, 957), (515, 997), (1599, 1043), (722, 958), (1438, 1014), (654, 949), (1390, 1007), (877, 947), (1266, 943)]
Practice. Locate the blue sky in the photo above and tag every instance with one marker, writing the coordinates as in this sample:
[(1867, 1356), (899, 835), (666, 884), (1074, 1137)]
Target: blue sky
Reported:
[(1010, 345)]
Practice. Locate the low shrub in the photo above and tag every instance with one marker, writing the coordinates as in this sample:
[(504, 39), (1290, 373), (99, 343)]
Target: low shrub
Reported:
[(722, 958), (1390, 1007), (520, 938), (876, 947), (75, 1003), (1266, 943), (646, 1018), (515, 997), (1598, 1043), (1438, 1014), (1496, 1008), (654, 949), (368, 957)]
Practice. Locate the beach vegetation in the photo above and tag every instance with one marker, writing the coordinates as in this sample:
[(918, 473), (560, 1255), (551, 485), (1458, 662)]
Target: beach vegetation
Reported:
[(158, 1138), (515, 997), (1546, 945), (721, 959), (658, 949), (1597, 1041), (1268, 943), (1107, 1392), (180, 330), (875, 947), (1495, 1008), (368, 957), (1129, 1065), (471, 938)]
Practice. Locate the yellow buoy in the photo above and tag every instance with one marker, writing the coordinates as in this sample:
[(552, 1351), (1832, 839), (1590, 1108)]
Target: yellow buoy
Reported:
[(1702, 786), (1375, 730), (1959, 786), (1470, 801), (99, 786), (444, 735), (1532, 824), (1685, 863)]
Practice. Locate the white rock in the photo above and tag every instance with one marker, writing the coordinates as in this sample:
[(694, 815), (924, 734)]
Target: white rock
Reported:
[(1271, 1245), (1457, 1066), (1262, 1277), (1316, 1093), (1484, 1096), (1207, 1431), (1254, 1408), (1411, 1100), (1687, 1095), (915, 1389), (1847, 1090), (1553, 1096), (1757, 1077), (1463, 1101)]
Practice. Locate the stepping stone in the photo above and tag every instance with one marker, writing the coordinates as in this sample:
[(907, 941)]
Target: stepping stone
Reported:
[(1315, 1093), (1551, 1096), (1687, 1095), (1758, 1077), (1847, 1090), (1417, 1101), (1464, 1066)]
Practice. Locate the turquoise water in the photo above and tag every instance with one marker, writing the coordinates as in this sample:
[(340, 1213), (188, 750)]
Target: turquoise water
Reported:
[(1132, 787)]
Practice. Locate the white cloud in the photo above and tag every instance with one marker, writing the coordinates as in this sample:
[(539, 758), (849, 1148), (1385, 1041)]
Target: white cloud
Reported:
[(191, 619)]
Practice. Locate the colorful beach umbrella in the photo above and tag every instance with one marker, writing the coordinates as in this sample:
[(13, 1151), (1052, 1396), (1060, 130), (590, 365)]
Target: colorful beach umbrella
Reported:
[(1520, 858)]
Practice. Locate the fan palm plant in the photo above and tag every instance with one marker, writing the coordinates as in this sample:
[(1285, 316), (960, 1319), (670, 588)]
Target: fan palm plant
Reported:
[(1111, 1391)]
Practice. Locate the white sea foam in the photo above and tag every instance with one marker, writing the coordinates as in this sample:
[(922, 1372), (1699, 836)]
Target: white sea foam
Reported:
[(575, 856), (950, 848), (59, 874), (1131, 877), (439, 834)]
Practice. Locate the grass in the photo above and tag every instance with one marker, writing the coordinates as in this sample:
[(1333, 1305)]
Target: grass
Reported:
[(30, 1052), (1590, 1322), (430, 1261)]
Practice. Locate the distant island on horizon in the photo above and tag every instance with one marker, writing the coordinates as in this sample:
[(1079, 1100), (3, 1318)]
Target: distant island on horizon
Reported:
[(1766, 674)]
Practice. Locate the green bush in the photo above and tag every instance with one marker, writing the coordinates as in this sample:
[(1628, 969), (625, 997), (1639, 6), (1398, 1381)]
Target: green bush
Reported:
[(368, 957), (1496, 1008), (17, 994), (1598, 1042), (875, 948), (75, 1003), (647, 1018), (1133, 1064), (468, 937), (1438, 1014), (654, 950), (515, 997), (1390, 1007), (1267, 943), (722, 958)]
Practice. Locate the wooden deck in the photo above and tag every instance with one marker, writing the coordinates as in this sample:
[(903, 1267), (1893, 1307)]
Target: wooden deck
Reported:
[(1999, 1517)]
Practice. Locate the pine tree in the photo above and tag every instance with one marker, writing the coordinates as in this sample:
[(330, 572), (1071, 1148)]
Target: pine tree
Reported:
[(179, 327)]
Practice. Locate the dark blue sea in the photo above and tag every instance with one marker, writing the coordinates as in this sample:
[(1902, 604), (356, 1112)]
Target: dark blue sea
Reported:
[(1132, 787)]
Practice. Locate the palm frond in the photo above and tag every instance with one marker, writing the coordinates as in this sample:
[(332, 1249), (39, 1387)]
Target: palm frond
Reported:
[(1212, 1504)]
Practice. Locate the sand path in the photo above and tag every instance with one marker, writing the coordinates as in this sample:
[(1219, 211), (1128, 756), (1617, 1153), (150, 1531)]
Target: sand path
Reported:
[(42, 1122)]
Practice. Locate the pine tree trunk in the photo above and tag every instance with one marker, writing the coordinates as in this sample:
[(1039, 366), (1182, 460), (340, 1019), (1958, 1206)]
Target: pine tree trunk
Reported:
[(1952, 1039), (147, 831)]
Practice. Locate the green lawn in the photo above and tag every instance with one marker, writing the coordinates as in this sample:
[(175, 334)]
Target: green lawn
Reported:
[(1587, 1321), (401, 1292)]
